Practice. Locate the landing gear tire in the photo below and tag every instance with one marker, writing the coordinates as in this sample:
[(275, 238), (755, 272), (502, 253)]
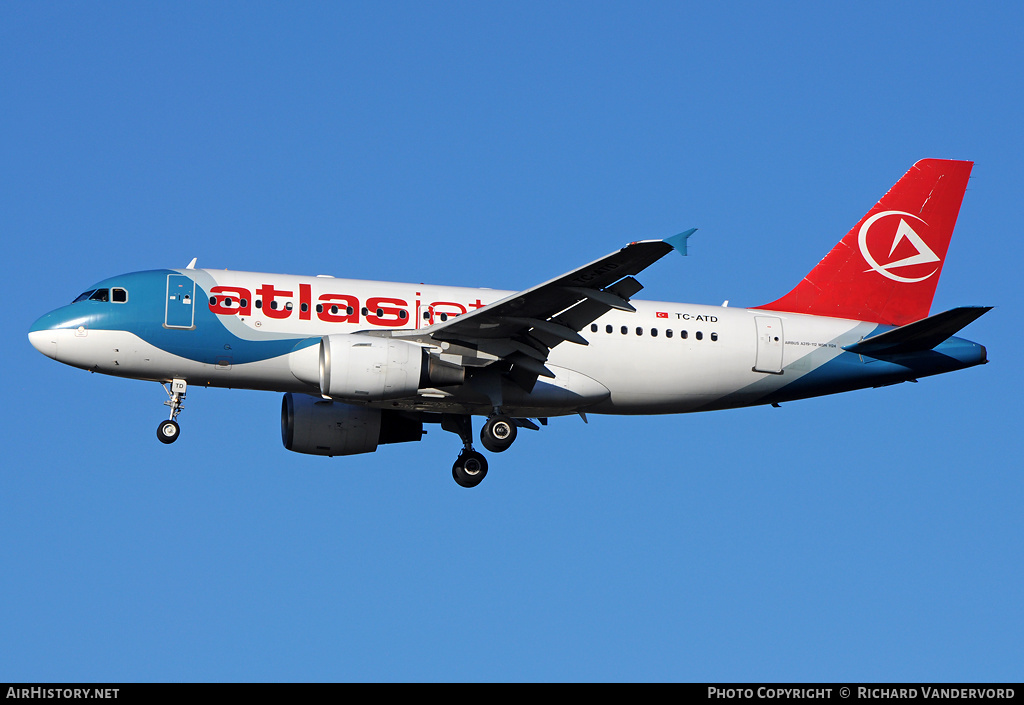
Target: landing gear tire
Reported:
[(168, 431), (469, 469), (498, 434)]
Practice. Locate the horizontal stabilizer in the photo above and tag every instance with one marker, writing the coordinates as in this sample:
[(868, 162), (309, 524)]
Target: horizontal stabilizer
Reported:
[(920, 335)]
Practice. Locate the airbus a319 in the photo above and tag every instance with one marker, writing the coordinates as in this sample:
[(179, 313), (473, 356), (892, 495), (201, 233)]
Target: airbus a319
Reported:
[(369, 363)]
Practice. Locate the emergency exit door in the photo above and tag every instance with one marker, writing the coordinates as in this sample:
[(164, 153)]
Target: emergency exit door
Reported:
[(770, 342)]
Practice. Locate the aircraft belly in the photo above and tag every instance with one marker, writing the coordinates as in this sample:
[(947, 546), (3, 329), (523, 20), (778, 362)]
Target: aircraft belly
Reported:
[(124, 354), (107, 351), (569, 389)]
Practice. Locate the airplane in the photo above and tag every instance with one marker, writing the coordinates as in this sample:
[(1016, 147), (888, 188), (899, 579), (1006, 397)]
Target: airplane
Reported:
[(368, 363)]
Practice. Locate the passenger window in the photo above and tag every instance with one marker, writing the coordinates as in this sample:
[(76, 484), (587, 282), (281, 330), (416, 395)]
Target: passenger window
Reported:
[(654, 332), (608, 329), (319, 308), (639, 330), (625, 330), (593, 327), (683, 334), (668, 333), (714, 336), (100, 295), (119, 295), (402, 314), (699, 335), (305, 307)]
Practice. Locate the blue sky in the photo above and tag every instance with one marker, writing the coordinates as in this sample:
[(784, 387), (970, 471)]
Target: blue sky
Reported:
[(872, 536)]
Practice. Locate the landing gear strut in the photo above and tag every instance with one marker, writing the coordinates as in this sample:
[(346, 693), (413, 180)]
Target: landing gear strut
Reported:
[(470, 467), (168, 431)]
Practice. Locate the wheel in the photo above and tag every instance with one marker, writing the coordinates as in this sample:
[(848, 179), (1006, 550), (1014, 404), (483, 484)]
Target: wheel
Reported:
[(498, 433), (470, 468), (168, 431)]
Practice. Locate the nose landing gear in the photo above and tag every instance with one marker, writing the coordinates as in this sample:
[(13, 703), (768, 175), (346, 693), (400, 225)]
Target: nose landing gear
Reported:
[(168, 431)]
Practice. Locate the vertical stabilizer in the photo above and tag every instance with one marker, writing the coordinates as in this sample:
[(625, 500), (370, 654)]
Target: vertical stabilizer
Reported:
[(886, 268)]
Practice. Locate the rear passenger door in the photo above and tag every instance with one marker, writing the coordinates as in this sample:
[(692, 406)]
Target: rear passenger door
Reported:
[(770, 342)]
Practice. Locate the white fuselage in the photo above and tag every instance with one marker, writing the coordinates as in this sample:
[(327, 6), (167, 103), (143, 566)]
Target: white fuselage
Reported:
[(663, 358)]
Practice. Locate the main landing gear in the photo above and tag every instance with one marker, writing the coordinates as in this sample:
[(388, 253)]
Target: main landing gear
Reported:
[(168, 431), (497, 434)]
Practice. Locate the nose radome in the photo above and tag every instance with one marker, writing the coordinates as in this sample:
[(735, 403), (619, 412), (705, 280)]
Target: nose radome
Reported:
[(45, 341)]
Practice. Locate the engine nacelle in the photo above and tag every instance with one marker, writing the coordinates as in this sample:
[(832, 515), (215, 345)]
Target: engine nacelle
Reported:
[(323, 427), (369, 368)]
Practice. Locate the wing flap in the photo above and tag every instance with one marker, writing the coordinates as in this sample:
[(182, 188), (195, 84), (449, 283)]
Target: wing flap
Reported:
[(545, 301), (522, 328)]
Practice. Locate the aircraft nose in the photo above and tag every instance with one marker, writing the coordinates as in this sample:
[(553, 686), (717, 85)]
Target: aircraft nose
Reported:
[(44, 341), (43, 337)]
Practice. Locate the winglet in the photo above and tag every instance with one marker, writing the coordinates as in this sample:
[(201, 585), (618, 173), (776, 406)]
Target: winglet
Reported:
[(678, 242)]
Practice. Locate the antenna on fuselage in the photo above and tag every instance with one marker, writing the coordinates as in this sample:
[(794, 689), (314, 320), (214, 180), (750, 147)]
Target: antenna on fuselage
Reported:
[(192, 264)]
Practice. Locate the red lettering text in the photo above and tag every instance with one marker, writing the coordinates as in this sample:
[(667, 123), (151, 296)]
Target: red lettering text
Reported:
[(338, 308), (229, 300), (305, 301), (443, 310), (271, 307), (386, 312)]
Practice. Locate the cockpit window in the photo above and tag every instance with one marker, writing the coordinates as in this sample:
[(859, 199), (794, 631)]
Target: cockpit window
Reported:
[(100, 295), (118, 296), (84, 296)]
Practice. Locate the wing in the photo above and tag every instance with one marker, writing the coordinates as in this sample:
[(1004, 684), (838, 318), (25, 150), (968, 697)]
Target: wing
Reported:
[(520, 330)]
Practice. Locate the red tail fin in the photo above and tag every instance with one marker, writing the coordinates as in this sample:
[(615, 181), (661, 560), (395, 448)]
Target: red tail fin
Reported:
[(886, 268)]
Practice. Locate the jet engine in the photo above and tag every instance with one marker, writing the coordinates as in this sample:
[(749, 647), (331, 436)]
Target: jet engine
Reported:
[(363, 367), (323, 427)]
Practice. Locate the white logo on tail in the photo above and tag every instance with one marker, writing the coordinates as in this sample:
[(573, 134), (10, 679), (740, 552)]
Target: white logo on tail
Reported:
[(924, 254)]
